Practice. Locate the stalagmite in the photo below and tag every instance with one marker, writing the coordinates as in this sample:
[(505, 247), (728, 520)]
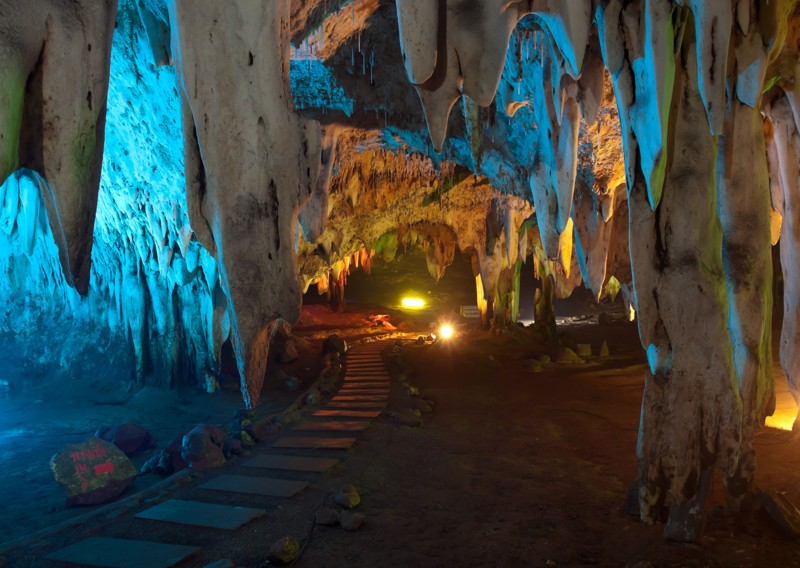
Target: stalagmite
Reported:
[(258, 162)]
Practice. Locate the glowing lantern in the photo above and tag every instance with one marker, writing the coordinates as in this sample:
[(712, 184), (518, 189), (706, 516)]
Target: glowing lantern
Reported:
[(446, 331), (413, 303)]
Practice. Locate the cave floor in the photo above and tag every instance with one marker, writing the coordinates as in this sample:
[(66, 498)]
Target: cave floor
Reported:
[(512, 468)]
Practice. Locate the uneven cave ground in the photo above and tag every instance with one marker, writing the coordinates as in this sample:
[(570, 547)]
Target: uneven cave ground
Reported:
[(511, 468)]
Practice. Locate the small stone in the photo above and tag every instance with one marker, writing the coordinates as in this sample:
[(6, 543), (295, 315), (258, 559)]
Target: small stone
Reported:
[(604, 352), (351, 521), (313, 398), (551, 563), (285, 551), (568, 357), (224, 563), (544, 359), (289, 353), (246, 439), (348, 497), (327, 517), (292, 384), (423, 406), (412, 391), (584, 350)]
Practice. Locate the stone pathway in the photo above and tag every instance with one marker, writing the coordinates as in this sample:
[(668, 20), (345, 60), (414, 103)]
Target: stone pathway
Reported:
[(363, 395)]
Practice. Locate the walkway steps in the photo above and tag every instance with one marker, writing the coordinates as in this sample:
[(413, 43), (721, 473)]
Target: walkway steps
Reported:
[(197, 514)]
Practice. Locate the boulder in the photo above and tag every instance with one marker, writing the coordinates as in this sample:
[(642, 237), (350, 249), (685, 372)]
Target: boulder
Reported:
[(285, 551), (584, 350), (334, 344), (92, 472), (201, 448), (129, 437)]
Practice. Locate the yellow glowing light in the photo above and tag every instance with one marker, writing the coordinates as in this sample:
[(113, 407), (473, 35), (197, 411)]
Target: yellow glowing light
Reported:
[(446, 331), (413, 303), (782, 419)]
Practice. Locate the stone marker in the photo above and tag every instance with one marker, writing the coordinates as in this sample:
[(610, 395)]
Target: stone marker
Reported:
[(285, 551), (584, 350), (92, 472), (604, 352)]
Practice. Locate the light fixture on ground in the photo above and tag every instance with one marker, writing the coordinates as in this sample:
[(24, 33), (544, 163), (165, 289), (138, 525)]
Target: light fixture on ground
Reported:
[(446, 331), (412, 303)]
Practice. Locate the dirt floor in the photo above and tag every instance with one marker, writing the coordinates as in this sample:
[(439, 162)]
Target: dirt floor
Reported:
[(512, 468)]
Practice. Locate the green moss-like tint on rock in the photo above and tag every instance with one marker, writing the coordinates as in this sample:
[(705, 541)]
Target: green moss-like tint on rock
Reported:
[(92, 472)]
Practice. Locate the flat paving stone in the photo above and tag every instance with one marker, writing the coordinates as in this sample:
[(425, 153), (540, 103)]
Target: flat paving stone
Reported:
[(366, 378), (333, 426), (349, 413), (255, 485), (291, 463), (304, 442), (199, 514), (359, 398), (358, 405), (121, 553), (370, 391)]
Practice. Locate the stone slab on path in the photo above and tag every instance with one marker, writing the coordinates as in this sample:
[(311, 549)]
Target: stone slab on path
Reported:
[(199, 514), (377, 379), (333, 426), (357, 405), (348, 413), (107, 552), (291, 463), (370, 392), (359, 398), (255, 485), (305, 442)]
